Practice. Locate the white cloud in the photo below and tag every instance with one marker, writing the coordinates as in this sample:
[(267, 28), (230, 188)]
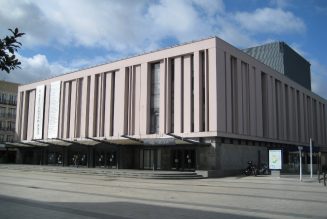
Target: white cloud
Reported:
[(175, 18), (33, 69), (210, 7), (127, 26), (233, 35), (136, 26), (114, 25), (29, 18), (108, 24), (270, 20)]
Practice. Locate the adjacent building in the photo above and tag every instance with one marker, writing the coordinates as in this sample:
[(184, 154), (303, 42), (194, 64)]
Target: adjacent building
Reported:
[(204, 105), (282, 58), (8, 102)]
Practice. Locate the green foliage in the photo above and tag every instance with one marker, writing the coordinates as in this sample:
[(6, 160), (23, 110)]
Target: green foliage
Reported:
[(8, 46)]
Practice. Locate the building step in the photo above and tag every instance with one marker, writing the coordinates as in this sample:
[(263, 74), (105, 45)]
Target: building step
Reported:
[(128, 173)]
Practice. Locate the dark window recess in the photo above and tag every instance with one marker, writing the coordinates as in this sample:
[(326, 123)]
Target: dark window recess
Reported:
[(154, 98)]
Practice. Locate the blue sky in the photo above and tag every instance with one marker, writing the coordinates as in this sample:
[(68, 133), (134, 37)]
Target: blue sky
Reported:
[(63, 36)]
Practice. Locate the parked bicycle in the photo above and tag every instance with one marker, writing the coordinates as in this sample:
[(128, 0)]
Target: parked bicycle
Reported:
[(263, 170)]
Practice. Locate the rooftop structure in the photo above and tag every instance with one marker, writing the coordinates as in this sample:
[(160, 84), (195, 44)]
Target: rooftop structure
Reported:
[(282, 58)]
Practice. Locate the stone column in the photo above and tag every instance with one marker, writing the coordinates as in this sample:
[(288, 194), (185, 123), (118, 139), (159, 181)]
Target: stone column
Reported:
[(19, 156), (65, 156), (90, 157)]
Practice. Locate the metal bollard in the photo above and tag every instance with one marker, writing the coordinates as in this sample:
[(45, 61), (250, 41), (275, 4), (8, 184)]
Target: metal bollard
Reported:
[(324, 178)]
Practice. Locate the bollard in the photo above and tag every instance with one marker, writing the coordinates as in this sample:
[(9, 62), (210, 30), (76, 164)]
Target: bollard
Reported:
[(324, 178)]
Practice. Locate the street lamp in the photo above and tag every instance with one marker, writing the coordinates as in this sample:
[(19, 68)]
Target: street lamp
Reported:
[(300, 155)]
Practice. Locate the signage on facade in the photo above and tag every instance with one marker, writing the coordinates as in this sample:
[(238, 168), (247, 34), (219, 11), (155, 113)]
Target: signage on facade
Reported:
[(39, 111), (54, 109), (159, 141), (275, 159)]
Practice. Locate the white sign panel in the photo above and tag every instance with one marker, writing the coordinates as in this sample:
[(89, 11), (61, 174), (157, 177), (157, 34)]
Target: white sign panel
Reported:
[(54, 109), (39, 111), (275, 159)]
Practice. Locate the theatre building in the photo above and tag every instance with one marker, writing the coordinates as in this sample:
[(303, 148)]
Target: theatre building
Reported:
[(204, 105)]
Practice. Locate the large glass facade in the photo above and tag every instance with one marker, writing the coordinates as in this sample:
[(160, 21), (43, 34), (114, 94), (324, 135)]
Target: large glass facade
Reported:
[(155, 98)]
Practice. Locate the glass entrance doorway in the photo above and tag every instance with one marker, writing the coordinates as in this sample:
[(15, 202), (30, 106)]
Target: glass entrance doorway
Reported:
[(100, 159), (55, 158), (177, 158), (151, 159), (183, 159), (189, 159), (148, 159), (111, 159), (106, 159), (77, 159)]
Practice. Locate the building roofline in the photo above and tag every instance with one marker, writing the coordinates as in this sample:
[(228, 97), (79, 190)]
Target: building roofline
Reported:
[(124, 58), (264, 44), (174, 46), (279, 42), (10, 82)]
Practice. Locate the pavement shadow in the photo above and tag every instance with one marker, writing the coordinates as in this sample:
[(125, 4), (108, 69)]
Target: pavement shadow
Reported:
[(115, 210)]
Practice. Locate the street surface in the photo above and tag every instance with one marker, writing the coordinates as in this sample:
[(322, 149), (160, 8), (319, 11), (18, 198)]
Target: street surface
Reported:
[(36, 194)]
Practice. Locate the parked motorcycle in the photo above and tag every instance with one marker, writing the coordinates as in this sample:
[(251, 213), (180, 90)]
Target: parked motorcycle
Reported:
[(251, 169)]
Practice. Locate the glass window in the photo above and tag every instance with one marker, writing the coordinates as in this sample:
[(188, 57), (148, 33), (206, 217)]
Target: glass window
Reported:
[(12, 99), (155, 98), (11, 126), (9, 138), (2, 125), (12, 112), (2, 111), (3, 97)]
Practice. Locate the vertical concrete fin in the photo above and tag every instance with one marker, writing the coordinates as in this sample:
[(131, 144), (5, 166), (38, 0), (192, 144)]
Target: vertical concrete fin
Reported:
[(162, 98), (178, 98)]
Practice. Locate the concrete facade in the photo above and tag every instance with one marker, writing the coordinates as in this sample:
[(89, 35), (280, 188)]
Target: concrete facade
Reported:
[(210, 92)]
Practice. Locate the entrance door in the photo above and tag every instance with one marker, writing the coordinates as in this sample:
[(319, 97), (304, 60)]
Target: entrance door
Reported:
[(112, 159), (148, 159), (100, 159), (55, 158), (77, 159), (176, 159), (183, 159), (189, 159)]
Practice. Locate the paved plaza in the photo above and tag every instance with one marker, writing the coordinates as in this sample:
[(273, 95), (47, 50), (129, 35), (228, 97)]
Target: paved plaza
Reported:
[(36, 194)]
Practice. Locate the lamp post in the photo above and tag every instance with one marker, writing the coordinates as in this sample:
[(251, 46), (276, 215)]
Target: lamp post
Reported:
[(311, 158), (300, 154)]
